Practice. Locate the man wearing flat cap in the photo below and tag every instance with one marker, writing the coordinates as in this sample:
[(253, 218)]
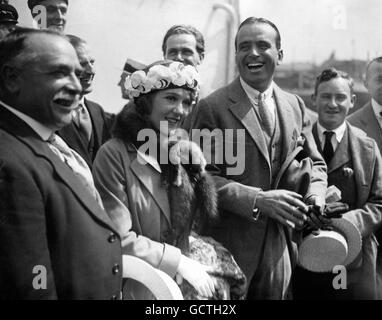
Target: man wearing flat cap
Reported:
[(8, 16), (56, 11)]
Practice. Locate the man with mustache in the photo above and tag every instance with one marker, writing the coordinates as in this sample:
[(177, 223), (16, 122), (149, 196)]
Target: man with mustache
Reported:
[(91, 125), (56, 241), (56, 11), (257, 212)]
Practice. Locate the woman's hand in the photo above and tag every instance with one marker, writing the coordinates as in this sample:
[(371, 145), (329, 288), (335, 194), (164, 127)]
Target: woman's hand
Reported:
[(195, 273)]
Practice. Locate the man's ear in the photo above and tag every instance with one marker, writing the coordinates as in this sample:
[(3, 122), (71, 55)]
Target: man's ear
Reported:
[(280, 56), (9, 77), (353, 99), (313, 97), (201, 57)]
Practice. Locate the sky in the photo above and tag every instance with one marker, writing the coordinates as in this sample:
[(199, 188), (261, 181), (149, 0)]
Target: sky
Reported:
[(310, 31)]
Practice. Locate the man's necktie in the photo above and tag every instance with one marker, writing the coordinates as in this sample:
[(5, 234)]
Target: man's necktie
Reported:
[(267, 121), (74, 162), (83, 122), (328, 151)]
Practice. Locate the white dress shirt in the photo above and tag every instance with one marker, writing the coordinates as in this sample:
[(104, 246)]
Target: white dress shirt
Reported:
[(336, 138), (253, 96)]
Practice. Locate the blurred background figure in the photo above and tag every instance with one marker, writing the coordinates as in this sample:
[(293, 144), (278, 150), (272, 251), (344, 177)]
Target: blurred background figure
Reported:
[(369, 117), (91, 125), (56, 11), (8, 17), (129, 67), (184, 43)]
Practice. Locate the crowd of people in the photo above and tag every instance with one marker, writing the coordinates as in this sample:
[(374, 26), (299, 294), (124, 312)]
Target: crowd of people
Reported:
[(81, 187)]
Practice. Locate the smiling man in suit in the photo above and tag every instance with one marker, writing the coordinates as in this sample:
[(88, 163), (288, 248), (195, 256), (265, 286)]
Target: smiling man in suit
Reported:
[(257, 214), (56, 241), (91, 125), (355, 168), (369, 117)]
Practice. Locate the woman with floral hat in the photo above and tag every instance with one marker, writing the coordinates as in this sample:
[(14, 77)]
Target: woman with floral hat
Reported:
[(153, 195)]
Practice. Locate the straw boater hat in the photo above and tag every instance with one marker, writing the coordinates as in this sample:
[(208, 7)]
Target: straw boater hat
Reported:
[(322, 251)]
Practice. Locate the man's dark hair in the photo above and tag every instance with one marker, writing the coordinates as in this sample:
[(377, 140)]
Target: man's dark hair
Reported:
[(33, 3), (254, 20), (185, 29), (333, 73)]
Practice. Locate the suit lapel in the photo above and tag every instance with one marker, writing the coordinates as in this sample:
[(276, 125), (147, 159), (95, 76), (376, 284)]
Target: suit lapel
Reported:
[(362, 160), (285, 114), (243, 110), (149, 175), (97, 122), (316, 139), (371, 122), (25, 134), (74, 139)]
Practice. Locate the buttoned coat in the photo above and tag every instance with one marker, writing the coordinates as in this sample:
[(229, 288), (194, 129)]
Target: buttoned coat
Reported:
[(230, 108), (50, 223), (129, 183), (367, 168), (101, 132)]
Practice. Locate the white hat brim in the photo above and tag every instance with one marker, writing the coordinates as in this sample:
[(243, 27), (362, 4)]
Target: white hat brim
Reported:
[(352, 235)]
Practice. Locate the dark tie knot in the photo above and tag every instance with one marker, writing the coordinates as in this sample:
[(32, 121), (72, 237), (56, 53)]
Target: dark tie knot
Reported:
[(328, 134)]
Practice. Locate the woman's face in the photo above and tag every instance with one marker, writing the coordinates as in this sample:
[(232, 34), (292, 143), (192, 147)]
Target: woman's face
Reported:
[(170, 107)]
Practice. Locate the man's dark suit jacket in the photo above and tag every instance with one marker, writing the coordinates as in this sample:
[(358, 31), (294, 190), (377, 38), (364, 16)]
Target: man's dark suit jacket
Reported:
[(366, 120), (361, 153), (48, 219), (230, 108), (101, 132)]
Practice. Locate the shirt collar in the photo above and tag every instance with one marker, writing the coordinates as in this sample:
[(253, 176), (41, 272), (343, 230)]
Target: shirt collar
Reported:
[(253, 94), (43, 131), (339, 132), (377, 108)]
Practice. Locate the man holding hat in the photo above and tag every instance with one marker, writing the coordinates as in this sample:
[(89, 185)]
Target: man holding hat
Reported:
[(56, 11), (355, 168)]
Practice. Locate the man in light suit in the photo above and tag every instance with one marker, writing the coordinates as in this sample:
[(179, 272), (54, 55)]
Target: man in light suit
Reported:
[(56, 241), (91, 125), (257, 215), (355, 168), (369, 117)]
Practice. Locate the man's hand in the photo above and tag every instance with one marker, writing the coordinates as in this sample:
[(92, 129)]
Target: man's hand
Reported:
[(284, 206), (335, 209), (317, 219)]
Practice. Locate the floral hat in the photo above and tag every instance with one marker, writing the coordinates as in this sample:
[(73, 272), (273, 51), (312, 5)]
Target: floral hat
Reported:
[(162, 75)]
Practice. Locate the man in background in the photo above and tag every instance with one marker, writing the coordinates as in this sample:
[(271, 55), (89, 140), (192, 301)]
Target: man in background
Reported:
[(91, 125), (369, 117), (8, 17), (56, 11), (184, 43)]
